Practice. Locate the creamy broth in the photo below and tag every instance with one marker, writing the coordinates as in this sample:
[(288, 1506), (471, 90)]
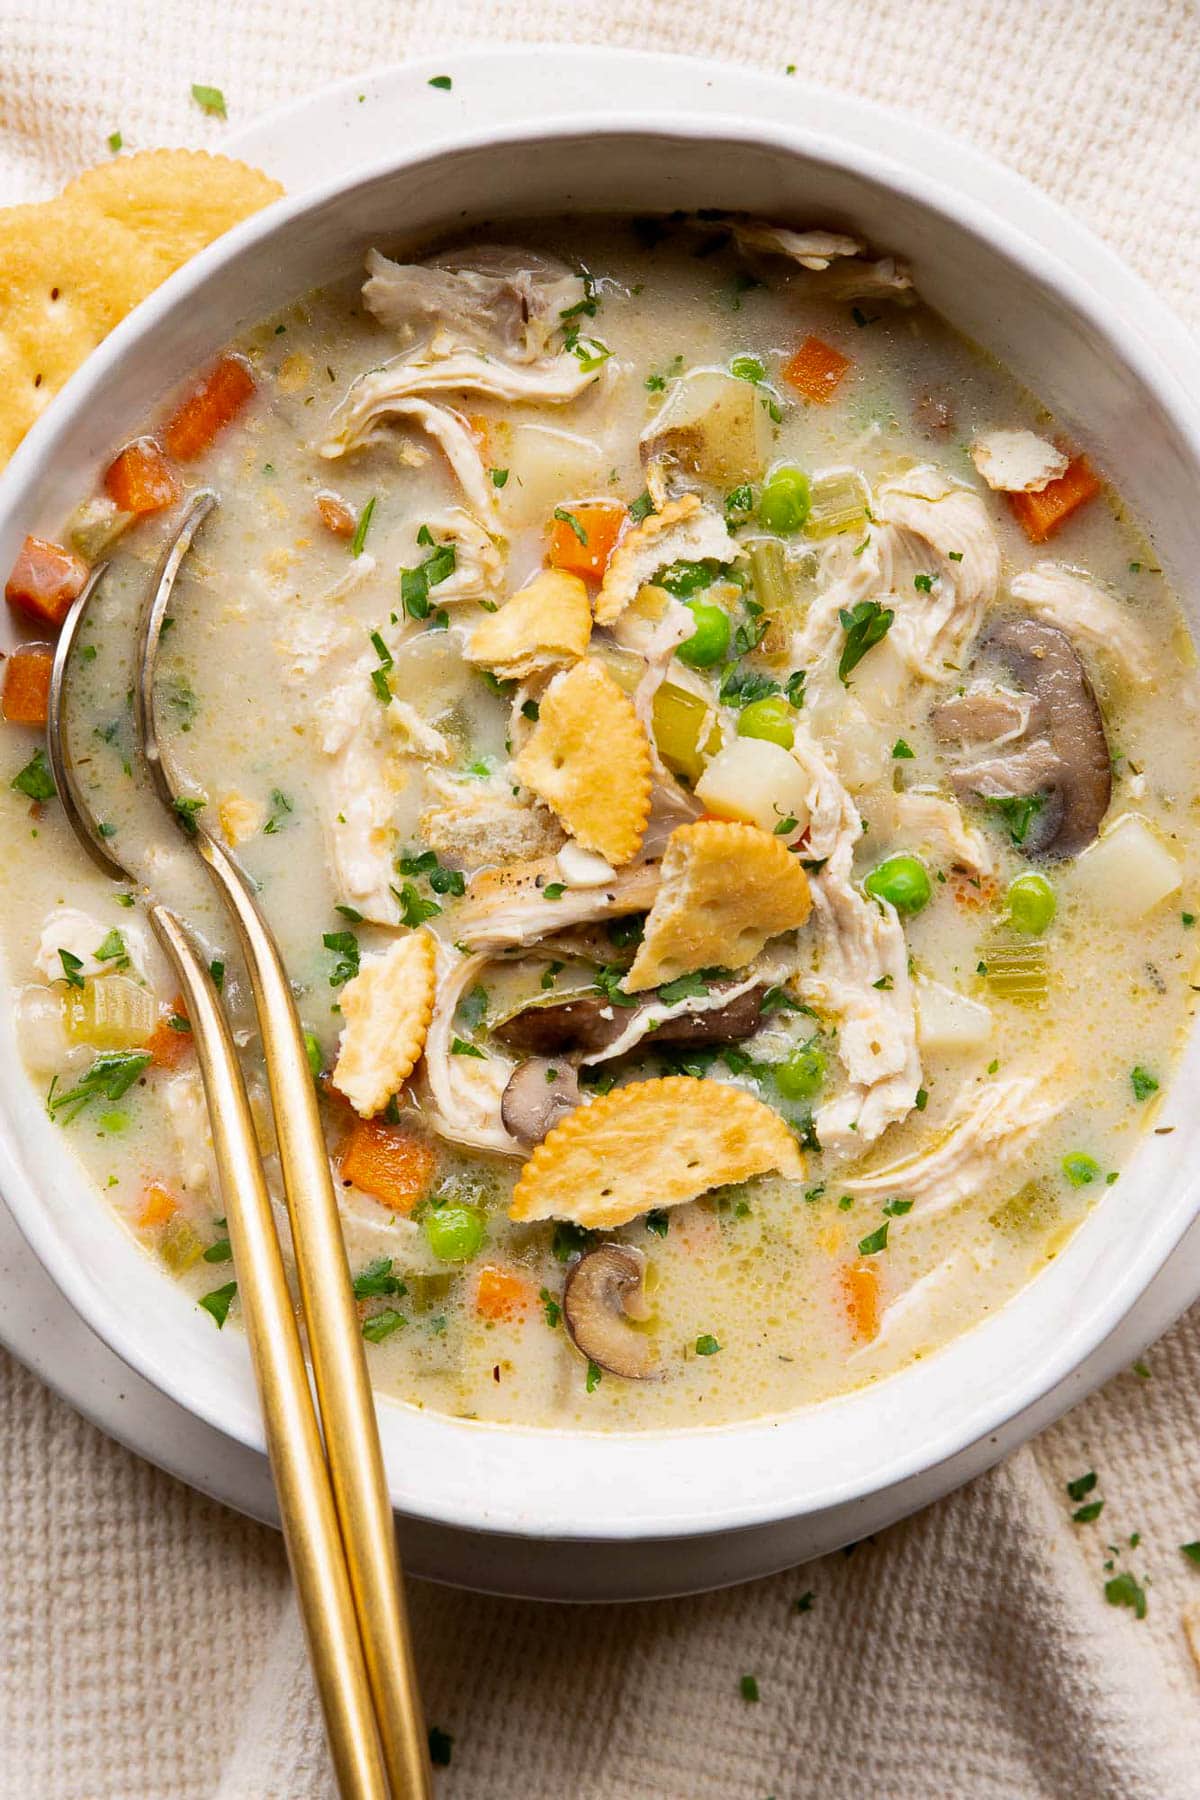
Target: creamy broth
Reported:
[(1014, 1056)]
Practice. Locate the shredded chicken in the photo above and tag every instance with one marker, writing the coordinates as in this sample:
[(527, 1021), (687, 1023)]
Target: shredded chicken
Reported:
[(461, 1095), (936, 822), (988, 1127), (911, 1324), (367, 420), (842, 266), (81, 934), (1075, 603), (187, 1110), (505, 907), (493, 298), (478, 572)]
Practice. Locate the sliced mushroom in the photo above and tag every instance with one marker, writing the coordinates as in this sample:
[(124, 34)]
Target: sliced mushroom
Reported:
[(1061, 756), (590, 1023), (603, 1291), (538, 1095)]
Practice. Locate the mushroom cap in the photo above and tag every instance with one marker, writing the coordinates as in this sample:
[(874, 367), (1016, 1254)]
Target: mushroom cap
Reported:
[(1062, 754), (603, 1291), (539, 1093)]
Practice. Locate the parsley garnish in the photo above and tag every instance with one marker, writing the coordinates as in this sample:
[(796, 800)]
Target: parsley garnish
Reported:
[(472, 1008), (444, 82), (344, 944), (115, 141), (901, 751), (551, 1308), (707, 1345), (865, 626), (1018, 812), (187, 811), (684, 987), (71, 965), (554, 890), (212, 100), (874, 1242), (281, 806), (440, 1747), (741, 687), (460, 1047), (415, 584), (499, 477), (658, 1221), (568, 518), (748, 1688), (923, 584), (382, 1324), (362, 528), (111, 1076), (219, 1301), (1143, 1083), (641, 508), (793, 688), (1124, 1590), (377, 1280), (112, 949), (35, 779), (594, 1377), (414, 910)]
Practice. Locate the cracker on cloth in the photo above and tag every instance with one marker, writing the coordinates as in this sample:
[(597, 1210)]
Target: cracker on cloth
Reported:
[(175, 201), (588, 759), (548, 621), (387, 1008), (71, 268), (649, 1145), (725, 890)]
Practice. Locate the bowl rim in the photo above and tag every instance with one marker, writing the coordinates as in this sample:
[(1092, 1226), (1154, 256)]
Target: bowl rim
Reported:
[(511, 1511)]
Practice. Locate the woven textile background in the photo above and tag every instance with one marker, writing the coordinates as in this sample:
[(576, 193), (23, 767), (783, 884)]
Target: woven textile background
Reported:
[(147, 1647)]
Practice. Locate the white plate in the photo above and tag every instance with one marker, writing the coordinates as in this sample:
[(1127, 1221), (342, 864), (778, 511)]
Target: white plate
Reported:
[(311, 142)]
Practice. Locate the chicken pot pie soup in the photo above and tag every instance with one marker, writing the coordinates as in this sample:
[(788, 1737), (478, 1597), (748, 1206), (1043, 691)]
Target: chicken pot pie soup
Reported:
[(720, 763)]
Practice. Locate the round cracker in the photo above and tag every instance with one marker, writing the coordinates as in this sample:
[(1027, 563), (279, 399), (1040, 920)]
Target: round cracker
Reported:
[(175, 201), (67, 276)]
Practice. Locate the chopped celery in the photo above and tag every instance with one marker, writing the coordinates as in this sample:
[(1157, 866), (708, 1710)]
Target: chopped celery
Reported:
[(768, 566), (684, 730), (111, 1012), (840, 501), (1018, 972), (180, 1245), (1031, 1208)]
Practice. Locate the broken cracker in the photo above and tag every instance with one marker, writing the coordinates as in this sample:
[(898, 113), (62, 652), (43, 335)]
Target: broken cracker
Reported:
[(387, 1008), (588, 758), (546, 622), (725, 890), (66, 278), (684, 531), (175, 201), (651, 1144)]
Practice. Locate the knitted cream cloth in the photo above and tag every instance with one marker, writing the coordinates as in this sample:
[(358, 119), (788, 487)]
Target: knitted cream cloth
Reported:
[(147, 1647)]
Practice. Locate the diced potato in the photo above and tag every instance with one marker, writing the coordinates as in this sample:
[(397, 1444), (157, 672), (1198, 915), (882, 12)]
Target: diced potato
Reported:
[(1129, 871), (41, 1030), (950, 1022), (713, 426), (545, 463), (756, 782), (110, 1012)]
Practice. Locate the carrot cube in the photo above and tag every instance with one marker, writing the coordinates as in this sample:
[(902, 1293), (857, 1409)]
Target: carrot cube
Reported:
[(816, 369), (158, 1206), (45, 580), (585, 551), (216, 399), (394, 1166), (141, 480), (502, 1293), (1042, 513), (27, 684), (168, 1044), (860, 1283)]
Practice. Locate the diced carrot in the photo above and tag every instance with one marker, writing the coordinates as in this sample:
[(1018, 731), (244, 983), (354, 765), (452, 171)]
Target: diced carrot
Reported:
[(157, 1207), (394, 1166), (502, 1293), (860, 1282), (600, 524), (27, 684), (168, 1044), (336, 516), (216, 399), (45, 579), (1040, 514), (816, 369), (141, 480)]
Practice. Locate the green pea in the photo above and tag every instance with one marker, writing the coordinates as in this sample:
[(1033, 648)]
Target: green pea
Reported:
[(1031, 904), (784, 502), (710, 640), (904, 880), (770, 719), (454, 1232), (802, 1075)]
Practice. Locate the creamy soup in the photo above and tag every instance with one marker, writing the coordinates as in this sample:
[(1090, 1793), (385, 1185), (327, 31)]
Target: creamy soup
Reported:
[(721, 767)]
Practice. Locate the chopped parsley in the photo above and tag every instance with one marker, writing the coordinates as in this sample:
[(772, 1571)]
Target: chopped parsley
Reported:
[(902, 752), (414, 909), (112, 949), (376, 1281), (865, 625), (554, 890), (793, 688), (707, 1345), (281, 806), (344, 945), (415, 584), (35, 780), (1018, 812), (874, 1242), (641, 508), (1080, 1170), (1081, 1487), (115, 141), (381, 1325), (187, 811), (1192, 1552), (499, 477), (742, 687), (748, 1688), (460, 1047), (440, 1747), (569, 1240), (1088, 1513), (362, 528), (658, 1221), (219, 1252), (210, 100), (921, 1099), (896, 1209), (1143, 1083), (111, 1076), (594, 1377), (71, 965), (1125, 1590), (748, 368), (551, 1308), (568, 518), (445, 82), (685, 987), (219, 1301), (923, 584), (472, 1008)]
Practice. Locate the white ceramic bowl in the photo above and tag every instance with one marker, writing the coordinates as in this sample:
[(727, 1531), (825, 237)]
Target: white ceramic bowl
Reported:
[(575, 1514)]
